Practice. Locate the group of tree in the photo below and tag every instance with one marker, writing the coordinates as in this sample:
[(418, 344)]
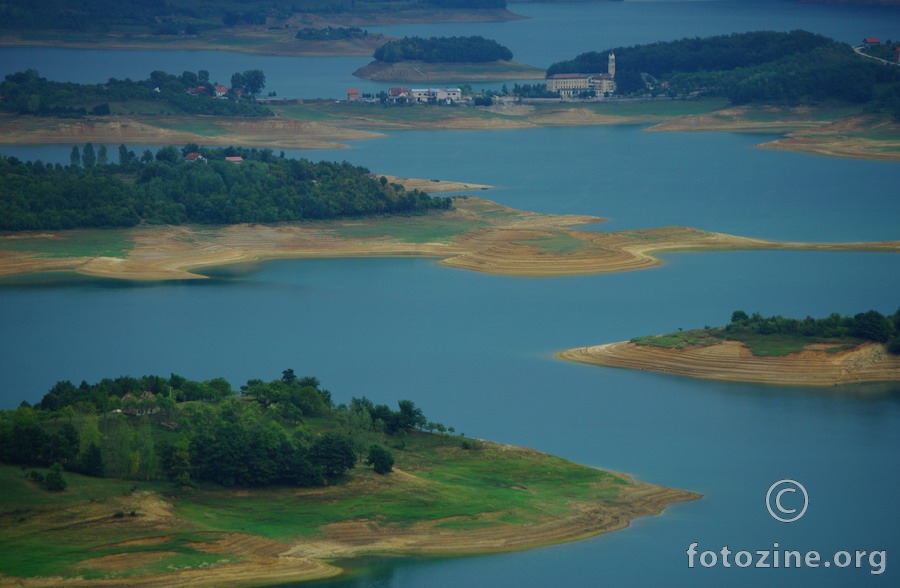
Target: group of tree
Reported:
[(443, 50), (192, 93), (865, 326), (163, 188), (794, 67), (331, 33), (282, 432)]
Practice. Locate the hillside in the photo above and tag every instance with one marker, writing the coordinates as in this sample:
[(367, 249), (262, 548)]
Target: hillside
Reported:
[(171, 481)]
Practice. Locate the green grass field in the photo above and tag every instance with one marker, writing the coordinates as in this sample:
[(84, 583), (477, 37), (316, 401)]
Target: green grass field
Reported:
[(81, 243), (759, 345), (64, 533), (411, 229)]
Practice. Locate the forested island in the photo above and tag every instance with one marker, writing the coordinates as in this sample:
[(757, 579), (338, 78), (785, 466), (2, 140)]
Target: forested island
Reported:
[(192, 185), (471, 49), (833, 350), (758, 67), (442, 58), (169, 480)]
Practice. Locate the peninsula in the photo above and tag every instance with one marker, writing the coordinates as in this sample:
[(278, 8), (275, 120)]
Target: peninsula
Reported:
[(775, 350), (171, 481)]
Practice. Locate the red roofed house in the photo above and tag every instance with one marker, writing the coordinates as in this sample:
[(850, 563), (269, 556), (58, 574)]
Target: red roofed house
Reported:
[(235, 159), (194, 157), (869, 41), (352, 95), (220, 90)]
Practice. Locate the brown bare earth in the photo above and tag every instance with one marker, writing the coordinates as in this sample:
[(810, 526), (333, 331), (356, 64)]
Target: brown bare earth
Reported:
[(273, 133), (731, 360), (477, 235), (829, 133), (806, 130)]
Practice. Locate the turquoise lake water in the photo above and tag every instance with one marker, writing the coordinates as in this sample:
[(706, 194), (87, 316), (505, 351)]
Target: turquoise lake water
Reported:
[(476, 351)]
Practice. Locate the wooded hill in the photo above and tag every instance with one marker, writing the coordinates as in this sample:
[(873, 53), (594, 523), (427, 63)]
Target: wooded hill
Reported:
[(765, 66), (166, 189), (287, 431)]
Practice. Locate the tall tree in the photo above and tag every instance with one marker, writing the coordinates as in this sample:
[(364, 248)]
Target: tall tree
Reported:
[(88, 155)]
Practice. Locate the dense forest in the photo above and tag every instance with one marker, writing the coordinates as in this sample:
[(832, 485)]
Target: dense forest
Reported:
[(192, 93), (443, 50), (164, 188), (794, 67), (287, 431)]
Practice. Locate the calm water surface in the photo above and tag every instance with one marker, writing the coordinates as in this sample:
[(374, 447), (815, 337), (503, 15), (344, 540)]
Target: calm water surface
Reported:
[(476, 351)]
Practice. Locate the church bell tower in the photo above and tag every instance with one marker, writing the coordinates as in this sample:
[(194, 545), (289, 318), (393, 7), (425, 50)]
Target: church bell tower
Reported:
[(611, 68)]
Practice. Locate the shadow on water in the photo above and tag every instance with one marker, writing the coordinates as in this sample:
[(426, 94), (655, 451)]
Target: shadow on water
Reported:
[(218, 276)]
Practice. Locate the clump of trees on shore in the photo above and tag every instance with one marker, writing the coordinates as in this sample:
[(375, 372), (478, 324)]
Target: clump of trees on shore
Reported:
[(163, 188), (287, 431), (864, 326), (443, 50), (763, 66), (27, 92)]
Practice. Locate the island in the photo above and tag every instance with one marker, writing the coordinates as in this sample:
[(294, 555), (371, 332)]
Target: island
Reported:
[(441, 59), (165, 480), (766, 350)]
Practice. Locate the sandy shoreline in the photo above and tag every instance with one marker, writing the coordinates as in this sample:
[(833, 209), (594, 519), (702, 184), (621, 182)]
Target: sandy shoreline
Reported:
[(731, 361), (477, 235)]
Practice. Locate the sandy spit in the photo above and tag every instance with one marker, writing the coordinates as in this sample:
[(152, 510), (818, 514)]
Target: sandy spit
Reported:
[(503, 241), (731, 361)]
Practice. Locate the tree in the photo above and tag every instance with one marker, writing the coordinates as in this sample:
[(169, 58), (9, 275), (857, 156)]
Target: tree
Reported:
[(88, 156), (54, 480), (288, 376), (75, 156), (739, 316), (333, 452), (237, 80), (91, 461), (254, 81), (380, 459), (102, 155)]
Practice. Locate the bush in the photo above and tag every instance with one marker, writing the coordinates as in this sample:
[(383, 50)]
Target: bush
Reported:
[(380, 459)]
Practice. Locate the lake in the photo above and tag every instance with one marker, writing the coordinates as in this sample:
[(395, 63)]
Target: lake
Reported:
[(476, 351)]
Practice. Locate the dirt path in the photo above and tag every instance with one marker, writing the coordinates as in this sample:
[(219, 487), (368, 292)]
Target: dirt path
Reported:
[(730, 360)]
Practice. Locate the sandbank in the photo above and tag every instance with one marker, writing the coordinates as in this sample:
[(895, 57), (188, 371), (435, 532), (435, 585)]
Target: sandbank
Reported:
[(732, 361), (477, 235)]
